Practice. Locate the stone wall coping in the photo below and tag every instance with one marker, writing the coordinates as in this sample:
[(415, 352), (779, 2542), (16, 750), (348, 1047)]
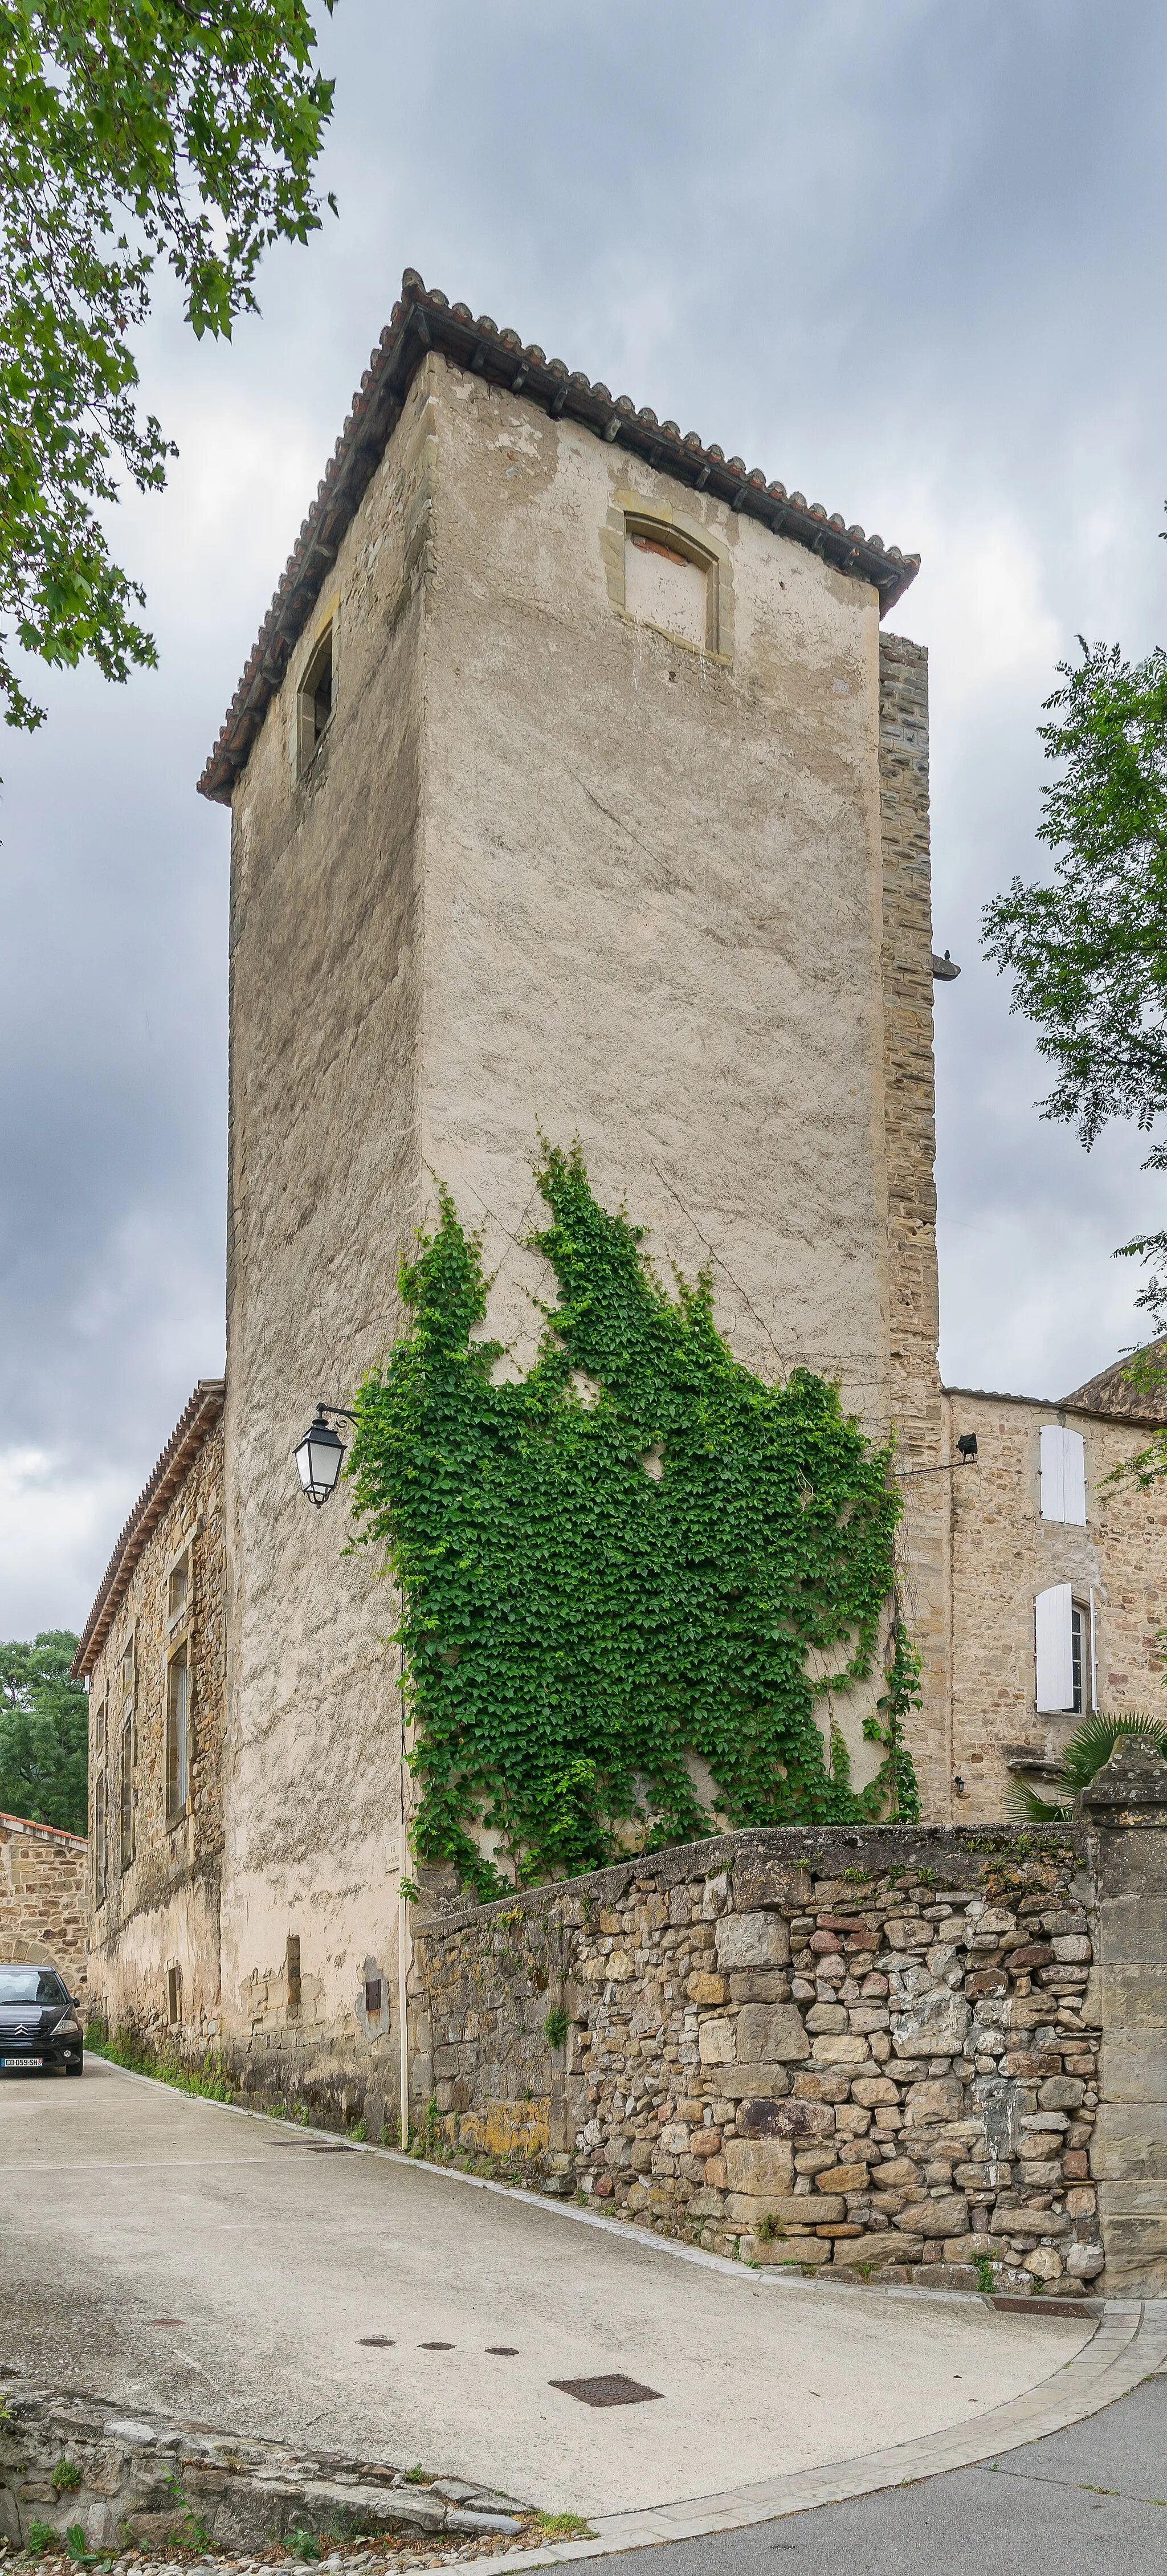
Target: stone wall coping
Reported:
[(961, 1850)]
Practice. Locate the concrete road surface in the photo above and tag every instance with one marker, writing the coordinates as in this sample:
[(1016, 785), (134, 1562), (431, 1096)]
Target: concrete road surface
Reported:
[(177, 2252), (1091, 2501)]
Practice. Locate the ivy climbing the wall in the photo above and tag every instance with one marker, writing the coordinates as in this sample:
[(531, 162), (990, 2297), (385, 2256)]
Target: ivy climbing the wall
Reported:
[(629, 1554)]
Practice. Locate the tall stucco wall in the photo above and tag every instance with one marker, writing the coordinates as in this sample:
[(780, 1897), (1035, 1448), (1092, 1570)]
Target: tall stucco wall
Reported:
[(324, 1193), (1004, 1553), (162, 1911), (44, 1897), (675, 906)]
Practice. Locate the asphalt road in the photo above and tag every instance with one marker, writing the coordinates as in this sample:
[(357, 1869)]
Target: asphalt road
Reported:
[(1091, 2501), (174, 2252)]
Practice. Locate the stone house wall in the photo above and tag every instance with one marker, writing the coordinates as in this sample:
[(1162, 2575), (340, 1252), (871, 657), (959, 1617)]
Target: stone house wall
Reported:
[(44, 1897), (160, 1913), (871, 2049), (1004, 1554)]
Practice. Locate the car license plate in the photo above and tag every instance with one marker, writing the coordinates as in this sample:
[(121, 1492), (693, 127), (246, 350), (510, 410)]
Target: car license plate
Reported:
[(21, 2061)]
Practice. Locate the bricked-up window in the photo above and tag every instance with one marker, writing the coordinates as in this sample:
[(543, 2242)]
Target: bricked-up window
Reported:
[(174, 1994), (314, 700), (126, 1789), (177, 1734), (669, 583), (178, 1588), (293, 1971), (373, 1995)]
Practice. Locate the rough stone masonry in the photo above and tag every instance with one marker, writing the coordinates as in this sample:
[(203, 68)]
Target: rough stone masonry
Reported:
[(870, 2050)]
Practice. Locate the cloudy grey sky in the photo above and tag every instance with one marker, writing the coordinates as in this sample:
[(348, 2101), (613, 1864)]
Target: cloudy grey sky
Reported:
[(905, 254)]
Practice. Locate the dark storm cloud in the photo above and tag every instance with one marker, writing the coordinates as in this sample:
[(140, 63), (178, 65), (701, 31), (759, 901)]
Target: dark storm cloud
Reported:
[(905, 256)]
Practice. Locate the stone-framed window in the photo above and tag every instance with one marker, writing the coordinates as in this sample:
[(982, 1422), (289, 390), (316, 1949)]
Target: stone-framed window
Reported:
[(1066, 1658), (315, 697), (1063, 1474), (126, 1793), (178, 1588), (177, 1734), (100, 1828)]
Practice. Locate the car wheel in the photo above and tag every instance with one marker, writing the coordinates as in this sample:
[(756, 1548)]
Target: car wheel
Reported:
[(79, 2069)]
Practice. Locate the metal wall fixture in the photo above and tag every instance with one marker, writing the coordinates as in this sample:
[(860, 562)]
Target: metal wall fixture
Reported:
[(320, 1454)]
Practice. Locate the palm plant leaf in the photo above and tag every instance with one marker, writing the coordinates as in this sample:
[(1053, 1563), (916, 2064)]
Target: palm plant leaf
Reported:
[(1082, 1756)]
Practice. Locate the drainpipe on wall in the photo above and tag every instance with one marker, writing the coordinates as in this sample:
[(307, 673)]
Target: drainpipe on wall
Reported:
[(402, 1956)]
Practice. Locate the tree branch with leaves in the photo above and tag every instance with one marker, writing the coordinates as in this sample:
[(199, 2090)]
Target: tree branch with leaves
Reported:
[(134, 131), (1088, 952)]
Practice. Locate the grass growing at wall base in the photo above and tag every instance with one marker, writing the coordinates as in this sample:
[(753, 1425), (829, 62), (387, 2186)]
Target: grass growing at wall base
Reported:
[(123, 2048)]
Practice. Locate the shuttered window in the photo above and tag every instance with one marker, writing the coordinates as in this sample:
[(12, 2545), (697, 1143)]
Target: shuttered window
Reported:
[(1063, 1475), (1054, 1640)]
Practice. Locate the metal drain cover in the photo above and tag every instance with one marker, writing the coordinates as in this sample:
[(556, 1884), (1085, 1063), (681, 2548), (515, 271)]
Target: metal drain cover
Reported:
[(610, 2389), (435, 2347), (382, 2342), (506, 2351)]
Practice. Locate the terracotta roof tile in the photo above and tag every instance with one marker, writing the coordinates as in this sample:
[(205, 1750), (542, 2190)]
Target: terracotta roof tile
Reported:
[(425, 319)]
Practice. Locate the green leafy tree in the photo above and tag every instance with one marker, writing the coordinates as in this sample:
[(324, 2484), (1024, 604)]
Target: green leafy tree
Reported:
[(1088, 951), (133, 131), (44, 1733), (637, 1550)]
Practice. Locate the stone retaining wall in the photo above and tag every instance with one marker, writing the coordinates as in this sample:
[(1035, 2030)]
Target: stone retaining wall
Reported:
[(158, 2483), (44, 1897), (863, 2050)]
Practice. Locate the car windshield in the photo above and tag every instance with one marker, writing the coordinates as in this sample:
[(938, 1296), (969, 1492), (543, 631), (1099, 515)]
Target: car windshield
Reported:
[(31, 1986)]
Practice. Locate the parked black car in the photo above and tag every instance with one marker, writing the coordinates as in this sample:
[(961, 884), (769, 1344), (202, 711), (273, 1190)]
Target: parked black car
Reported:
[(38, 2021)]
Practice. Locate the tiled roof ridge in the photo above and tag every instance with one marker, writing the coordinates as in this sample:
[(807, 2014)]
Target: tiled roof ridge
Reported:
[(422, 319), (33, 1825), (199, 1415)]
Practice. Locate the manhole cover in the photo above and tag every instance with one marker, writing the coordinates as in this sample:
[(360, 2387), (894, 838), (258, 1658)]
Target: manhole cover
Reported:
[(506, 2351), (435, 2347), (610, 2389), (382, 2342)]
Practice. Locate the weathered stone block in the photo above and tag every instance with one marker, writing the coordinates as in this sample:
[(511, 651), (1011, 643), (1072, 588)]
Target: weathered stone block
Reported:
[(936, 2100), (715, 2043), (842, 2048), (768, 2118), (759, 2164), (947, 2216), (770, 2034), (752, 1941), (761, 1881)]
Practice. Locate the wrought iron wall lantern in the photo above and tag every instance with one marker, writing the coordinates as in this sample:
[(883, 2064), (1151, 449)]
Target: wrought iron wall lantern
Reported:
[(321, 1453)]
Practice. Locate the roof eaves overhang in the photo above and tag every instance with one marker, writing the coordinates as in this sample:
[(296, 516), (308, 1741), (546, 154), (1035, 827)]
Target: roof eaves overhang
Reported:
[(197, 1418), (424, 319)]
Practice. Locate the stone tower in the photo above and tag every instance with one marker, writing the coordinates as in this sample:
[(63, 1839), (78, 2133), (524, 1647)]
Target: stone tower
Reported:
[(573, 789)]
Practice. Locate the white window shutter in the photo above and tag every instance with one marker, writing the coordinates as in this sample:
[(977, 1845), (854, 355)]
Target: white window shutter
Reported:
[(1074, 1476), (1063, 1475), (1053, 1611)]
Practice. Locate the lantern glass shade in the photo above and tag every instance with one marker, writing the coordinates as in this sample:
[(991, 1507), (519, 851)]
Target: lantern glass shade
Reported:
[(319, 1459)]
